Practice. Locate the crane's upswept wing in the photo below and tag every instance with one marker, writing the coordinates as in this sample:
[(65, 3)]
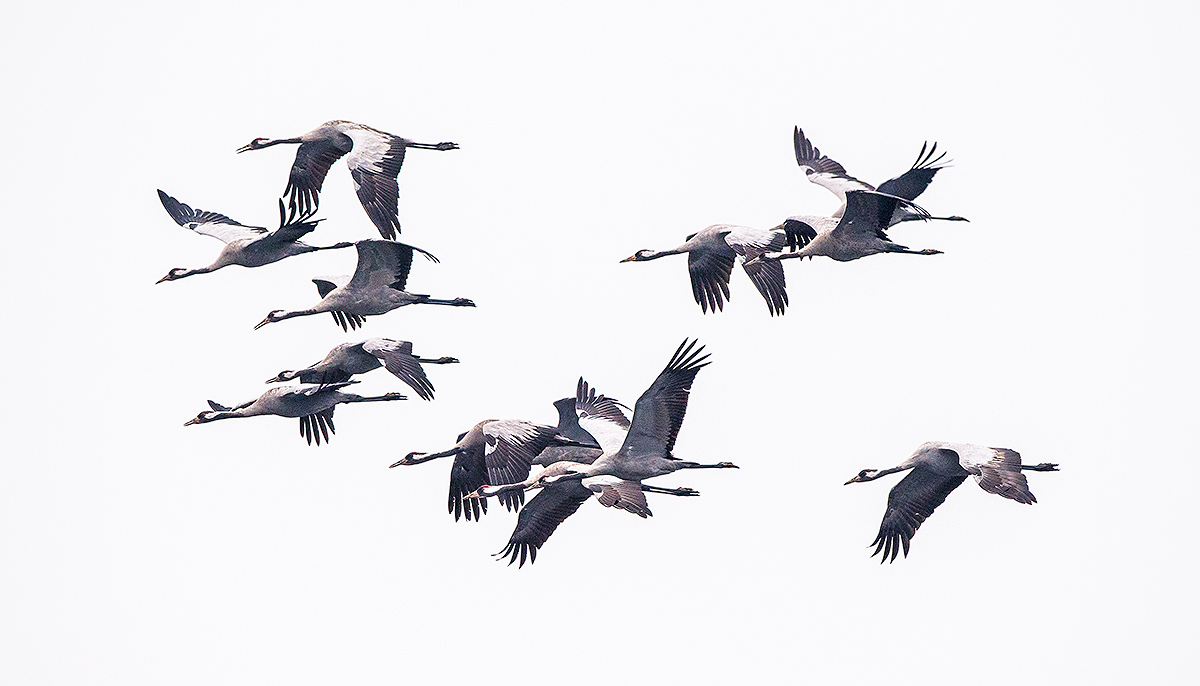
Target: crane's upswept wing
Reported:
[(1002, 475), (208, 223), (601, 417), (913, 182), (822, 170), (869, 214), (659, 411)]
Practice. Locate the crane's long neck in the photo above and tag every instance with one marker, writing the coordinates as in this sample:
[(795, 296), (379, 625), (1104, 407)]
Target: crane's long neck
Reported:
[(663, 253), (418, 458), (891, 470), (268, 143)]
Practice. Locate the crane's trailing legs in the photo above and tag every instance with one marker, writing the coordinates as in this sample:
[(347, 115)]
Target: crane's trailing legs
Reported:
[(431, 146), (719, 465), (1043, 467)]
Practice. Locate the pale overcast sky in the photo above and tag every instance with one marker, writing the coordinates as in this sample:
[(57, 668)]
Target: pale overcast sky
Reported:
[(1060, 322)]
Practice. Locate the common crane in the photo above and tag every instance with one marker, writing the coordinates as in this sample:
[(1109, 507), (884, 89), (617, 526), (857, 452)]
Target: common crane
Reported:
[(493, 451), (248, 246), (861, 230), (374, 161), (348, 359), (313, 405), (825, 172), (711, 253), (938, 468), (377, 287)]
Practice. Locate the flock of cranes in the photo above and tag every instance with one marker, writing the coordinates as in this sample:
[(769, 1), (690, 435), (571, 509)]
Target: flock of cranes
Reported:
[(596, 449)]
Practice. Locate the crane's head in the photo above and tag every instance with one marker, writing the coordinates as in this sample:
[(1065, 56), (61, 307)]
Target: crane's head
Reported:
[(254, 144), (864, 475), (639, 256), (272, 317), (176, 273), (205, 416), (286, 375)]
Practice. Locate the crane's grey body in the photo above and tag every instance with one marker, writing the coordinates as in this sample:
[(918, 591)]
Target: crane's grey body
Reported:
[(376, 287), (829, 174), (374, 158), (246, 246), (859, 232), (712, 252), (937, 468), (313, 405), (349, 359)]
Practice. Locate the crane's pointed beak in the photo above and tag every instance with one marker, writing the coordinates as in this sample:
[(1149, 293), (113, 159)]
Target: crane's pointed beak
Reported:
[(244, 148), (261, 325), (194, 420)]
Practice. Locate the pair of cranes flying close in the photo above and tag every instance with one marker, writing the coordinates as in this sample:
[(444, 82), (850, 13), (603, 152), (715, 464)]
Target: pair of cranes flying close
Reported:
[(857, 229), (595, 450)]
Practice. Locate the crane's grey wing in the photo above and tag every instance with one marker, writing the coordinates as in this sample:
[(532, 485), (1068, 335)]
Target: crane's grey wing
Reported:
[(618, 493), (710, 271), (326, 284), (913, 182), (208, 223), (767, 275), (869, 213), (659, 411), (317, 425), (374, 165), (510, 446), (383, 264), (822, 170), (1002, 476), (541, 516), (798, 232), (313, 160), (398, 359), (601, 417), (910, 502)]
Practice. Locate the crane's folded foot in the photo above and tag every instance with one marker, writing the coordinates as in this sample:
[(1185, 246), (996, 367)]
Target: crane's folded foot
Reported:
[(1043, 467), (447, 146), (462, 302)]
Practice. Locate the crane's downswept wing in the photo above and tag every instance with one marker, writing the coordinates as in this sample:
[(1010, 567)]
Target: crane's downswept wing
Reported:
[(710, 271), (292, 227), (208, 223), (510, 446), (822, 170), (541, 516), (913, 182), (601, 417), (659, 411), (910, 502), (398, 359), (619, 493), (374, 165), (1002, 475), (313, 160), (767, 275)]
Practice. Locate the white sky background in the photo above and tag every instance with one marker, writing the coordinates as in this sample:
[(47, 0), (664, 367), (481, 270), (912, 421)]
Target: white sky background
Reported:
[(1059, 322)]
